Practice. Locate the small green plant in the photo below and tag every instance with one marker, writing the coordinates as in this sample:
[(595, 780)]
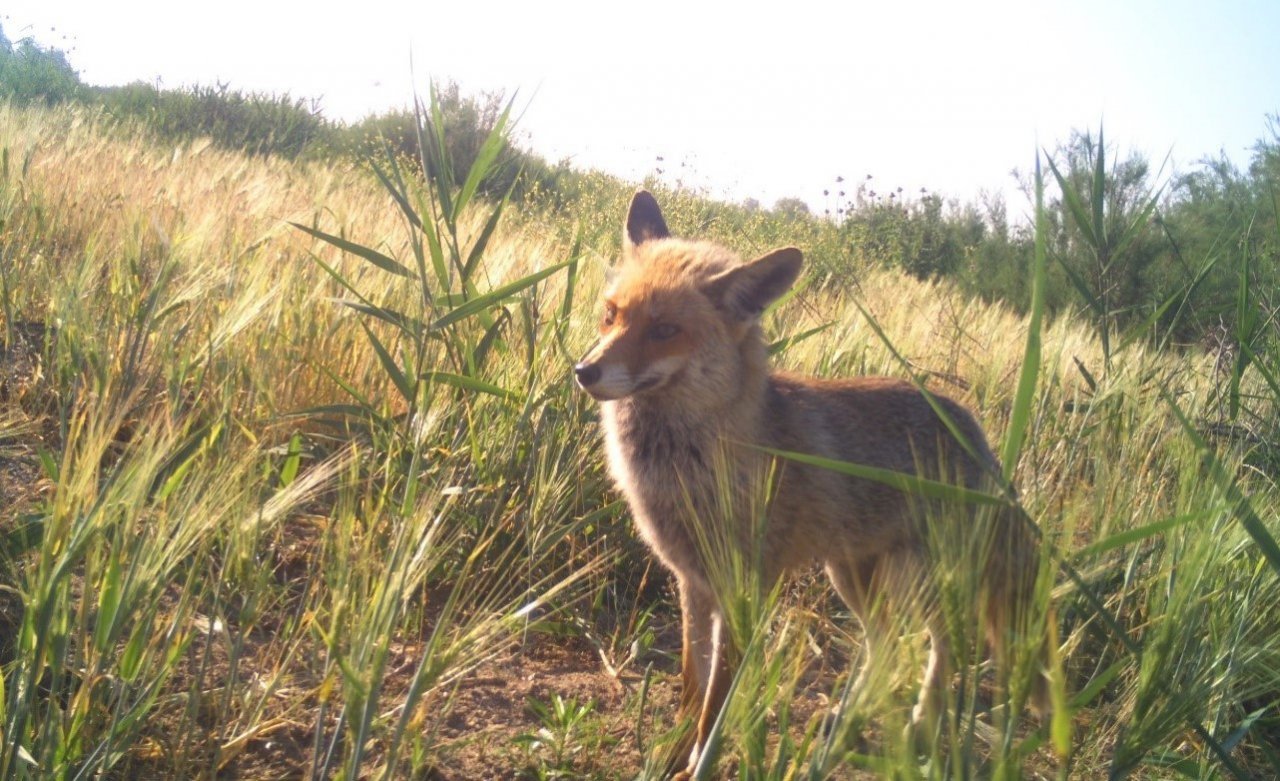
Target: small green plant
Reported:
[(567, 738), (445, 339)]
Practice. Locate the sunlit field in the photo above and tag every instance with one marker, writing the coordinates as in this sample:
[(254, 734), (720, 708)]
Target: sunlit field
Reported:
[(295, 482)]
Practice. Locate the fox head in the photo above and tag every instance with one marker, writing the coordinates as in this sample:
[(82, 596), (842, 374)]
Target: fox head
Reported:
[(681, 316)]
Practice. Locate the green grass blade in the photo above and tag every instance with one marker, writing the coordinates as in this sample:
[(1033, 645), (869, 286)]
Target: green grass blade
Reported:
[(1268, 376), (1099, 194), (1140, 219), (565, 319), (1242, 508), (485, 160), (443, 174), (397, 193), (1072, 199), (390, 366), (108, 604), (1243, 729), (1089, 379), (1077, 281), (472, 384), (400, 194), (903, 481), (403, 323), (482, 242), (571, 280), (435, 248), (373, 256), (341, 280), (292, 461), (1020, 416), (1131, 536), (483, 302), (787, 342), (1187, 292), (480, 354), (1181, 296), (1098, 684), (1245, 327)]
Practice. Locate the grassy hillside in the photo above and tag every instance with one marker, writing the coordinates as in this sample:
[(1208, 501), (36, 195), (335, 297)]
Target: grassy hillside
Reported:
[(1143, 250), (273, 509)]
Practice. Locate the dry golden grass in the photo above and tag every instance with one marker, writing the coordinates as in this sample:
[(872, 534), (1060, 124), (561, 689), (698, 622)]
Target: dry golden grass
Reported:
[(188, 320)]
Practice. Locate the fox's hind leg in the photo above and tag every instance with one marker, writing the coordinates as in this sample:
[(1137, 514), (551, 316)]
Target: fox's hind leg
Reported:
[(854, 582), (874, 585), (907, 578), (937, 677)]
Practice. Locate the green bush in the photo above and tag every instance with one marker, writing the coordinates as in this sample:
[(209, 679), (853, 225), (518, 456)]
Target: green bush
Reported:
[(468, 121), (30, 73), (256, 123)]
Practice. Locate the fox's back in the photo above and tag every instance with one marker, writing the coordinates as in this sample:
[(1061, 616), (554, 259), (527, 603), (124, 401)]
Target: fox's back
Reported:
[(874, 421), (882, 421)]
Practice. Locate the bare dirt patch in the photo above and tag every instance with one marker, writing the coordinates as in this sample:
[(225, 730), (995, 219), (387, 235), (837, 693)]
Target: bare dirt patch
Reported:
[(491, 709)]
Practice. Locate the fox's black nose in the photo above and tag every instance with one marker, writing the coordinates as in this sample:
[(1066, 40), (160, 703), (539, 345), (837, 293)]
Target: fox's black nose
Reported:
[(587, 373)]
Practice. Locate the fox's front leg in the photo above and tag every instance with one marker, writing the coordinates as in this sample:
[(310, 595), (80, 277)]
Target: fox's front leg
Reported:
[(721, 674), (705, 672), (698, 622)]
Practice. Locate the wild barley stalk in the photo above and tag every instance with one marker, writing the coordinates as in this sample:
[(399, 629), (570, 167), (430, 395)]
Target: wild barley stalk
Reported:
[(204, 558)]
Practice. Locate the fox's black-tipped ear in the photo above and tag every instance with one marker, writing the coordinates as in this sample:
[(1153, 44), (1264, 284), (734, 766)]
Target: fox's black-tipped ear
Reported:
[(644, 220), (746, 290)]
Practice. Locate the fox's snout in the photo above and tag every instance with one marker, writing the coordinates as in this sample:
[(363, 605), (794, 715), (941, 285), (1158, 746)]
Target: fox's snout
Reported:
[(606, 380), (588, 374)]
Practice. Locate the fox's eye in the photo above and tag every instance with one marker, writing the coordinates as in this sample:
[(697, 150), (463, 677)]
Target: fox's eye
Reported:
[(663, 331), (610, 314)]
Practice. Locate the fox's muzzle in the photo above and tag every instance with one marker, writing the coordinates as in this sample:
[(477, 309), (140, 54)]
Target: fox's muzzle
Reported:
[(588, 374), (605, 381)]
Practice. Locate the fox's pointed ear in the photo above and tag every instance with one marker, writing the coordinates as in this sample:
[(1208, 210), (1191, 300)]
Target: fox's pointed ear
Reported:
[(746, 290), (644, 220)]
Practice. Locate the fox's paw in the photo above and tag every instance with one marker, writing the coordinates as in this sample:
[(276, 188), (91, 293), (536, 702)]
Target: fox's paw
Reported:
[(848, 730)]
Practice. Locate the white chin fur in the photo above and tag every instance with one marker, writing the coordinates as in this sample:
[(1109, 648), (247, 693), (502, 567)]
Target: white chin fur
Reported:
[(615, 382)]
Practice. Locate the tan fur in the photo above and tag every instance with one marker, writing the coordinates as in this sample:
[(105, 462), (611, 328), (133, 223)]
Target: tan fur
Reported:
[(685, 389)]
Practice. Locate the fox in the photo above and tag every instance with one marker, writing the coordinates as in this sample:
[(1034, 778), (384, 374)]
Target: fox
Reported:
[(687, 396)]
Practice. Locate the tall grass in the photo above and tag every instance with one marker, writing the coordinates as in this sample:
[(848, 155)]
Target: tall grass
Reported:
[(301, 481), (216, 566)]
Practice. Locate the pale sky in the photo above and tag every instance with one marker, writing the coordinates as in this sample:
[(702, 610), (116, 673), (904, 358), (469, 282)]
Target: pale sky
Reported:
[(764, 101)]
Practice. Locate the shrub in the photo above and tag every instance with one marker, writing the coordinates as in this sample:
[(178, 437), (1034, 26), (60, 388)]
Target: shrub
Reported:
[(30, 73)]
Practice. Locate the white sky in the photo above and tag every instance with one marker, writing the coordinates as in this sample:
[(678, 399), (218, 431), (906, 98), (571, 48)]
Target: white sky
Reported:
[(758, 103)]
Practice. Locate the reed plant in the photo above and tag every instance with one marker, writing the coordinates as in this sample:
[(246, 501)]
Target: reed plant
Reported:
[(307, 455)]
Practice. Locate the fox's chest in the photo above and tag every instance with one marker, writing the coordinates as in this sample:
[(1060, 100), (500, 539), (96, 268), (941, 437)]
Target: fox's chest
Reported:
[(663, 481), (652, 459), (688, 486), (663, 467)]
